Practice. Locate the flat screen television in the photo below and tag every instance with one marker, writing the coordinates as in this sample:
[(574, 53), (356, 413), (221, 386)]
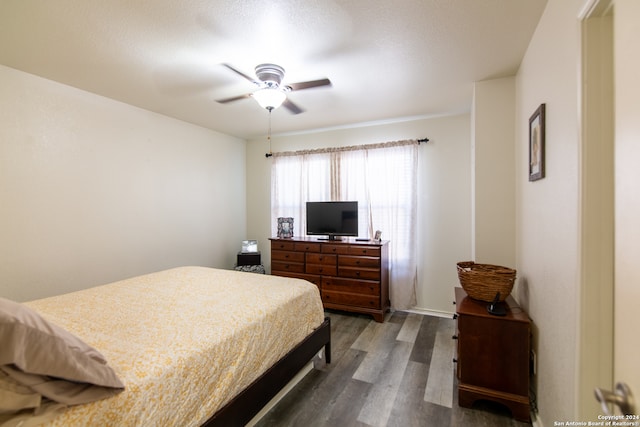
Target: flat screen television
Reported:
[(332, 219)]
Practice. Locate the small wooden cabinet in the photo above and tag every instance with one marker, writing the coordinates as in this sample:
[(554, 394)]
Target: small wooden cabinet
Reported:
[(352, 275), (493, 355)]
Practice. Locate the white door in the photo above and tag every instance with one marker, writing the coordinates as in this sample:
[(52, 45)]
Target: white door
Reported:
[(611, 237), (627, 195), (626, 290)]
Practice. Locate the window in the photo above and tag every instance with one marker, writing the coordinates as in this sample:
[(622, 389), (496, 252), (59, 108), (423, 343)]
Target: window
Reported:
[(381, 177)]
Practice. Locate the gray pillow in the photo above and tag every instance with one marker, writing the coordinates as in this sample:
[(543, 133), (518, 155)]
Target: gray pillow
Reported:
[(50, 360)]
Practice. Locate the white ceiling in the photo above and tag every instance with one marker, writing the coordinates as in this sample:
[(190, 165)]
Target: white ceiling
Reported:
[(386, 60)]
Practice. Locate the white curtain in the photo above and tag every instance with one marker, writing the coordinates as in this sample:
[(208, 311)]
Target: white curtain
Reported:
[(381, 177)]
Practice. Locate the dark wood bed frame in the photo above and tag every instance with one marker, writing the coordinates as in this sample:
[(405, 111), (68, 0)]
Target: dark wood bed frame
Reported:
[(242, 408)]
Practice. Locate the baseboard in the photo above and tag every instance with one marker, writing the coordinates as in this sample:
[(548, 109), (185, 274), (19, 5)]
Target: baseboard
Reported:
[(535, 421), (425, 312)]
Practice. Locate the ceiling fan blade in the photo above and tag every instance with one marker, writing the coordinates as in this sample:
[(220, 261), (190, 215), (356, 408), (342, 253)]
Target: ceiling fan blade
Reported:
[(251, 79), (309, 84), (293, 108), (233, 98)]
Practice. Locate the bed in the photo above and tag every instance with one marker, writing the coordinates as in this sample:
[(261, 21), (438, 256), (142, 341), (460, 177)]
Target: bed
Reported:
[(191, 346)]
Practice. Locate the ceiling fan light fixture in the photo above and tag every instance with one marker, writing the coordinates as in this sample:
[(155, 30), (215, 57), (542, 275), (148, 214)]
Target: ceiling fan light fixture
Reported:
[(269, 98)]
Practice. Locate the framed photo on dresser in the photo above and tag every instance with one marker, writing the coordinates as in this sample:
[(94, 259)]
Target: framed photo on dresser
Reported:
[(285, 228)]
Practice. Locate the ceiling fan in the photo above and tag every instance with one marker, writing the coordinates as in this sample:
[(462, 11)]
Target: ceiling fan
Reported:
[(271, 93)]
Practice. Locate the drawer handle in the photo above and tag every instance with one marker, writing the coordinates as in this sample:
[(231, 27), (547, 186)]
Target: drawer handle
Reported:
[(286, 256)]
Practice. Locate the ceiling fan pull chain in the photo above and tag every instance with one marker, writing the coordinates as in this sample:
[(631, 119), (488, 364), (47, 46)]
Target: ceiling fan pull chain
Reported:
[(269, 132)]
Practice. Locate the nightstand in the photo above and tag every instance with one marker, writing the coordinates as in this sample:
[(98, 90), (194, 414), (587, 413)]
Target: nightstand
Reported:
[(248, 258), (493, 355)]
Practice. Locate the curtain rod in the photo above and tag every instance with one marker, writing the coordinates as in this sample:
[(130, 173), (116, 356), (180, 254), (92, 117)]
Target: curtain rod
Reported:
[(419, 141)]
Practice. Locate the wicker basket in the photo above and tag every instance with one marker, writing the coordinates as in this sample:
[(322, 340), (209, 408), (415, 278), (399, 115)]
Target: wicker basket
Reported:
[(483, 281)]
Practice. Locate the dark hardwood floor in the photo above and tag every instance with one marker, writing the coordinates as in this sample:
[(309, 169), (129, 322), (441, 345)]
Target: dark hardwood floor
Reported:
[(396, 373)]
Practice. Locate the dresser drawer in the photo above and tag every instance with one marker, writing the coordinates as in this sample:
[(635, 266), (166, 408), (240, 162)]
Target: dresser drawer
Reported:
[(364, 250), (368, 301), (359, 273), (283, 246), (335, 248), (358, 261), (287, 256), (329, 270), (366, 287), (317, 258), (281, 266), (307, 247)]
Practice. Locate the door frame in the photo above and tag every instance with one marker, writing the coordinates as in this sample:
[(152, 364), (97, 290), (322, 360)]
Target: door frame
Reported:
[(594, 367)]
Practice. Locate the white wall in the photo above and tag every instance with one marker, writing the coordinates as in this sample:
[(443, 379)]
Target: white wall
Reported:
[(444, 204), (93, 190), (547, 210), (493, 179)]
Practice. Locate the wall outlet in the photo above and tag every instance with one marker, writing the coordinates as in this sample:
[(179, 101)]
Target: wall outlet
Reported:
[(533, 363)]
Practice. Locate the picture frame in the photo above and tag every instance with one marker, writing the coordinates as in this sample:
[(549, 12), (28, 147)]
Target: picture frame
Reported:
[(537, 144), (285, 228), (249, 246), (378, 236)]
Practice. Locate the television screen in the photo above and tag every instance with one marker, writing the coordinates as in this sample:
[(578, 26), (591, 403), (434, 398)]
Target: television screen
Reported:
[(332, 219)]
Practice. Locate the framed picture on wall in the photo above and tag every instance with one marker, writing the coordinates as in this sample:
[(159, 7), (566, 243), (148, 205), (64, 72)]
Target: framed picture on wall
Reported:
[(536, 144)]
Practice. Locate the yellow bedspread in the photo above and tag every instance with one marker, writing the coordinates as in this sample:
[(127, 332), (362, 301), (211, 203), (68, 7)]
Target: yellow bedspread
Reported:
[(184, 341)]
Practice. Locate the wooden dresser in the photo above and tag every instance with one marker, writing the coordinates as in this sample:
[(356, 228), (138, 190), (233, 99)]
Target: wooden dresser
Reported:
[(352, 275), (493, 355)]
